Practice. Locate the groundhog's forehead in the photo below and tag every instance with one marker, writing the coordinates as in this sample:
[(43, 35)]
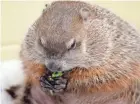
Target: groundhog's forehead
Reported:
[(62, 16), (60, 23)]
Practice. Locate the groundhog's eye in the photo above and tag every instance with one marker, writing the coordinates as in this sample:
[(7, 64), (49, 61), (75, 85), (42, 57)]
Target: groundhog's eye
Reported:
[(42, 43), (71, 44)]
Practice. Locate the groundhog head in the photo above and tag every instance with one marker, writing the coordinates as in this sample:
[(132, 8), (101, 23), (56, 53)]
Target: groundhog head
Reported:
[(59, 38)]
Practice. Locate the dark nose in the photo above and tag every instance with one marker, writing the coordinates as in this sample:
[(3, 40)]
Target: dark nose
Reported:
[(53, 67)]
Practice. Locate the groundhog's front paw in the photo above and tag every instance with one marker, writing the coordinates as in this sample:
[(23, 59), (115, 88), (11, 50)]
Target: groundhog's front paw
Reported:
[(57, 84)]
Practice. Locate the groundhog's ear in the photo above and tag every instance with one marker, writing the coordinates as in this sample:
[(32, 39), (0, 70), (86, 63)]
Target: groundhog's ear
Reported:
[(46, 7), (85, 13)]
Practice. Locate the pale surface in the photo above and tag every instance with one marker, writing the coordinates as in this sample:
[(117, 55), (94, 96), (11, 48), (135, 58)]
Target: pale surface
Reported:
[(18, 16)]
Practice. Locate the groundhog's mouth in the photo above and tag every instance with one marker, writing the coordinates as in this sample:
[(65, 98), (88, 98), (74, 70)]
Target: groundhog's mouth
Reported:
[(57, 74)]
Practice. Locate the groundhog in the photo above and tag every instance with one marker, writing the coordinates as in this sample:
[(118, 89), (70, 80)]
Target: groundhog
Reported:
[(99, 52)]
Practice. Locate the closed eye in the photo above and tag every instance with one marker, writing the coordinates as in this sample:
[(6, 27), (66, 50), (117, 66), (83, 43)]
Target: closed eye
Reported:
[(72, 46), (40, 44)]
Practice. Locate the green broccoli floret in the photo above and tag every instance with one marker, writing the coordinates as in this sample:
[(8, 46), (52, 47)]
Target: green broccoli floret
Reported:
[(56, 74)]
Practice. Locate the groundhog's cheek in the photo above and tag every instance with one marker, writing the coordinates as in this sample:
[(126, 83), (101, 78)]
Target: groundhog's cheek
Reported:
[(68, 66)]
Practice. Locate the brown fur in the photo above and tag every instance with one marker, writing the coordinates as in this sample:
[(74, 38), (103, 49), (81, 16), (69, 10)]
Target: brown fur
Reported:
[(83, 75), (34, 71)]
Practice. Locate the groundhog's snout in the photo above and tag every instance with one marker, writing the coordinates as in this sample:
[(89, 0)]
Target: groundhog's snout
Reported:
[(53, 67)]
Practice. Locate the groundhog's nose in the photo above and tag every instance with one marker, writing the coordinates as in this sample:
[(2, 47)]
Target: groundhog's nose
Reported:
[(53, 67)]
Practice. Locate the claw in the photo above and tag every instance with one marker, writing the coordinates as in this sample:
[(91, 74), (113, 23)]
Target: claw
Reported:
[(57, 84), (62, 81), (46, 85), (62, 86)]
